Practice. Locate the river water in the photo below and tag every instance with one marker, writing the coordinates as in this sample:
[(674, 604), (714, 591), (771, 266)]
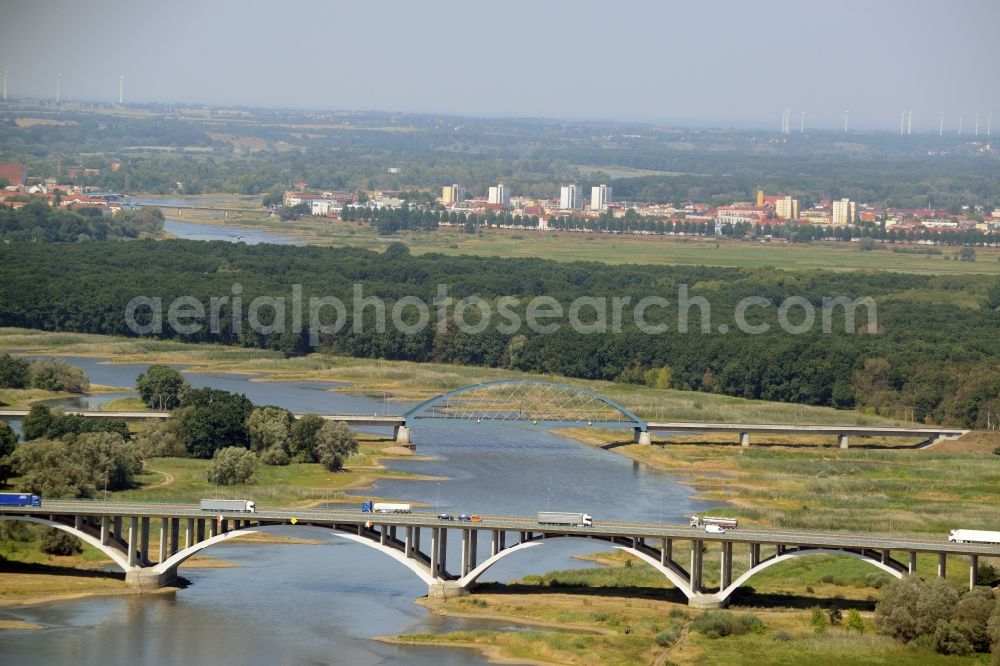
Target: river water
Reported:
[(292, 604)]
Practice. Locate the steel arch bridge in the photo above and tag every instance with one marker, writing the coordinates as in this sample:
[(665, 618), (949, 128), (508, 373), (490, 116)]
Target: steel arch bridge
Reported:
[(527, 400)]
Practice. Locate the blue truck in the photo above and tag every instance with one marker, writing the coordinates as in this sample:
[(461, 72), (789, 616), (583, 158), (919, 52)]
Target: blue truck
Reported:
[(19, 499)]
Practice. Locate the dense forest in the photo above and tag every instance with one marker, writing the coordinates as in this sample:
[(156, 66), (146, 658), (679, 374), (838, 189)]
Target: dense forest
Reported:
[(38, 222), (932, 355), (190, 151)]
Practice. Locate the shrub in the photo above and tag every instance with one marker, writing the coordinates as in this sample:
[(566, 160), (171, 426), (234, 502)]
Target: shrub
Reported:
[(973, 613), (716, 624), (781, 636), (818, 620), (274, 456), (668, 637), (950, 638), (334, 442), (57, 542), (836, 617), (232, 465), (855, 621)]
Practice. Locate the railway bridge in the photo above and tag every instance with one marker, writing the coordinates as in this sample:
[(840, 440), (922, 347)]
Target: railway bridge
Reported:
[(420, 542)]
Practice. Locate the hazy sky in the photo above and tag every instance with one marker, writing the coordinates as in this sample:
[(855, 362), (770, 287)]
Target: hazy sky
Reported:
[(697, 62)]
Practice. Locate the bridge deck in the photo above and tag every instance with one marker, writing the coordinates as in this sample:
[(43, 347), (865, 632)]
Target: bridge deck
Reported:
[(887, 542), (779, 428)]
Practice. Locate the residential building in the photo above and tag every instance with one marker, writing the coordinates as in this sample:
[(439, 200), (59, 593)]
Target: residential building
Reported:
[(499, 195), (600, 197), (569, 197), (786, 208), (845, 211), (452, 194)]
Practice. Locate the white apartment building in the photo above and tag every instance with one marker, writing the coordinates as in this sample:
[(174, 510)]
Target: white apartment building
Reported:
[(600, 197), (499, 195), (845, 211), (569, 197)]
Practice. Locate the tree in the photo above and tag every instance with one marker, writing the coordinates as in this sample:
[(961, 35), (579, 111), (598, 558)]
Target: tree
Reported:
[(58, 542), (13, 372), (334, 443), (217, 420), (270, 427), (967, 253), (855, 621), (77, 466), (304, 431), (973, 615), (57, 375), (37, 422), (232, 465), (993, 628), (397, 249), (896, 611), (935, 604), (8, 443), (161, 387)]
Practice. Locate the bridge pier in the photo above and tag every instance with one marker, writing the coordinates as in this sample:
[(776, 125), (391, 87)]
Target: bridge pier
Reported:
[(942, 567), (726, 565), (640, 436), (147, 578), (189, 533), (163, 539), (744, 439), (912, 567), (973, 571), (401, 434), (842, 441), (144, 540), (754, 555), (445, 589), (696, 566), (706, 601), (133, 540), (175, 535), (105, 530)]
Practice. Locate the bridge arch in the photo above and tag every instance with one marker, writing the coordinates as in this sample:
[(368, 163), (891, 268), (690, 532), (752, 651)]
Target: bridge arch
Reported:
[(119, 558), (723, 595), (526, 400), (677, 578)]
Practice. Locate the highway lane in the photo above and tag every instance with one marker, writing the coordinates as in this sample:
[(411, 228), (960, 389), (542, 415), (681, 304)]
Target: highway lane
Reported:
[(601, 528)]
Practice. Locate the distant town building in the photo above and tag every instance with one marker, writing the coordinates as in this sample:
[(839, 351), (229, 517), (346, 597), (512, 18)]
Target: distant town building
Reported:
[(600, 197), (786, 208), (451, 194), (569, 197), (499, 195), (845, 211)]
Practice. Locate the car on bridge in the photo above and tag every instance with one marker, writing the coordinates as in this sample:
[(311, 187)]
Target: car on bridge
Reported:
[(445, 516), (714, 529)]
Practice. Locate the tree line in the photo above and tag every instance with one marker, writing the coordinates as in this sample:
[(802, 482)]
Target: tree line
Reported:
[(932, 356), (37, 222)]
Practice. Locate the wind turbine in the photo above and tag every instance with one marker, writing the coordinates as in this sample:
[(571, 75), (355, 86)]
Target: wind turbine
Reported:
[(121, 90), (58, 82), (846, 114), (802, 122), (941, 125), (5, 85)]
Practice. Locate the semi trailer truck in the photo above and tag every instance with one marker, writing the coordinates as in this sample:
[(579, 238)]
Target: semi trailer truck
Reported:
[(724, 523), (565, 518), (974, 536), (385, 507), (19, 499), (216, 505)]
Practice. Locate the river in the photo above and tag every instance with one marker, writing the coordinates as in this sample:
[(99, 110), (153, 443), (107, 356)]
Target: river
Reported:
[(321, 604)]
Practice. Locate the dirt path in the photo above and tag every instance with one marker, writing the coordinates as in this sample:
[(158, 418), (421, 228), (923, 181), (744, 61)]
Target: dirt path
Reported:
[(168, 479)]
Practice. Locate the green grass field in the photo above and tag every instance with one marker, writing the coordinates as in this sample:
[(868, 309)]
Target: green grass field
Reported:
[(621, 249)]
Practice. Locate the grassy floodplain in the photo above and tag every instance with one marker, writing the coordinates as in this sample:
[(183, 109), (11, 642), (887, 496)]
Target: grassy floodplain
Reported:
[(615, 248)]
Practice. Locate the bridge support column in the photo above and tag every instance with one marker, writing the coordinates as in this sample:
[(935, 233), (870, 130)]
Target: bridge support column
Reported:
[(77, 522), (224, 525), (726, 565), (199, 531), (408, 543), (912, 568), (175, 535), (886, 555), (443, 553), (466, 543), (473, 549), (640, 436), (973, 571), (144, 540), (495, 543), (118, 532), (383, 535), (435, 539), (416, 539), (213, 527), (163, 539), (695, 569), (133, 540), (105, 530), (842, 441), (754, 555), (744, 439), (401, 434), (666, 551), (189, 532), (942, 568)]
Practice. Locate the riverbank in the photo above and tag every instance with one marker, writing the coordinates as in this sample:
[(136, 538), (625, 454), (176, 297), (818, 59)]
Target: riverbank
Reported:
[(625, 613)]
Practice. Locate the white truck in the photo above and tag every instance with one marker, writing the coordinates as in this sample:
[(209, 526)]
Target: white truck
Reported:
[(974, 536), (564, 518), (724, 523), (216, 505), (385, 507)]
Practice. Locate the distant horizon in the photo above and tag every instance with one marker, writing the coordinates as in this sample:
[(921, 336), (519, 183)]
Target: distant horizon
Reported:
[(678, 123)]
